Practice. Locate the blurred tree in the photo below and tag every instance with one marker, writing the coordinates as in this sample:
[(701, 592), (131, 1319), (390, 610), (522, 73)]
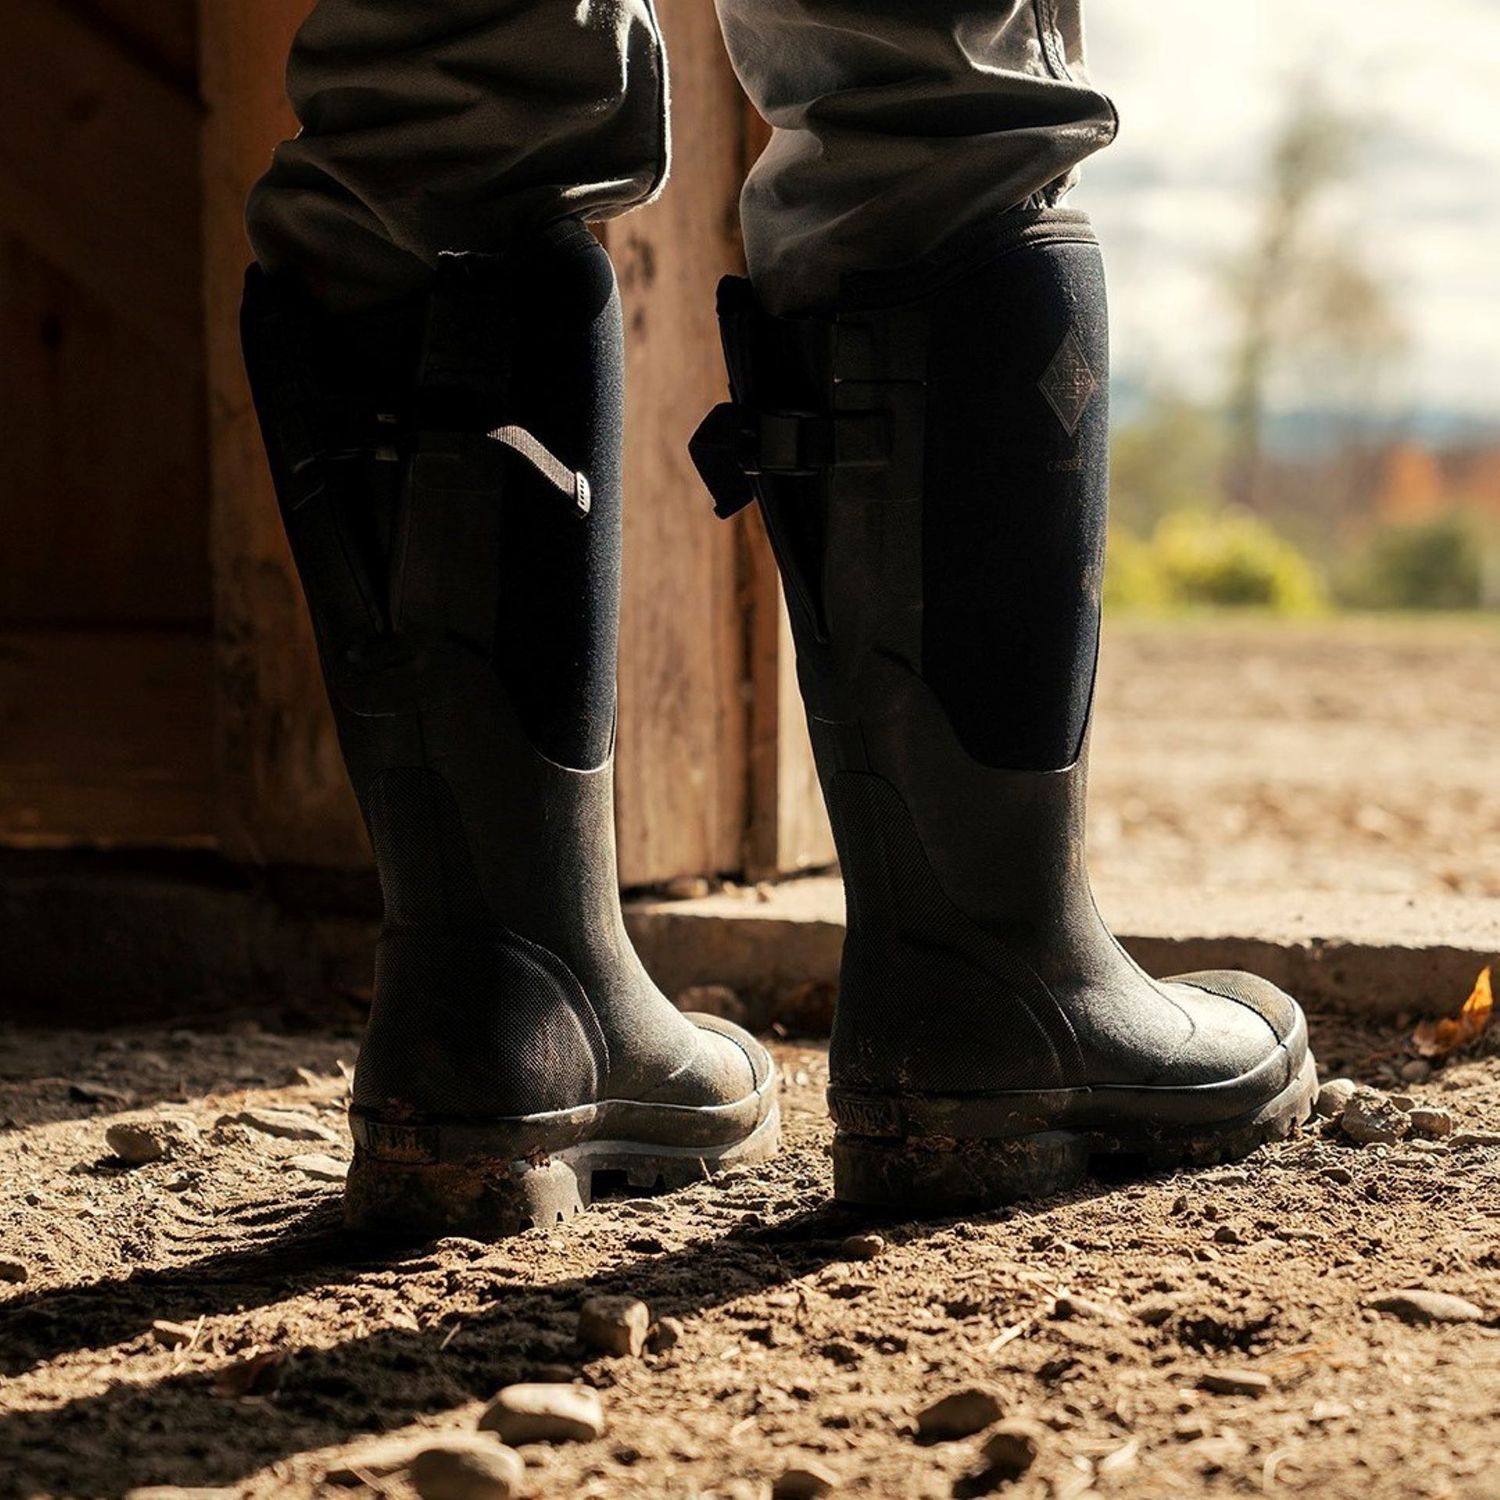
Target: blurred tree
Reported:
[(1303, 304), (1171, 457)]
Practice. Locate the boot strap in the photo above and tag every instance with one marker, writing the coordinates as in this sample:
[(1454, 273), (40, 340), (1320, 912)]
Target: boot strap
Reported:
[(735, 444)]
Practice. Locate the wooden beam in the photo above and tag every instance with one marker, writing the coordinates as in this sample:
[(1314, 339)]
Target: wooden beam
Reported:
[(683, 743), (104, 486), (99, 167), (283, 795), (787, 827)]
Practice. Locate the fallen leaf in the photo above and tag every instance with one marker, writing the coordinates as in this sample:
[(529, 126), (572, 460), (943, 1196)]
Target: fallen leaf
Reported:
[(1443, 1037)]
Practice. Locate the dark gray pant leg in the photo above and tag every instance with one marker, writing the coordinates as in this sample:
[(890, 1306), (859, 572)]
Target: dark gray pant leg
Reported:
[(898, 122), (432, 125)]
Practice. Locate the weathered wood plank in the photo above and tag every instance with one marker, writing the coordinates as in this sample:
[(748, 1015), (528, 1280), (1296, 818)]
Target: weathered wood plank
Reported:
[(163, 33), (788, 825), (683, 713), (99, 166), (283, 796), (104, 488)]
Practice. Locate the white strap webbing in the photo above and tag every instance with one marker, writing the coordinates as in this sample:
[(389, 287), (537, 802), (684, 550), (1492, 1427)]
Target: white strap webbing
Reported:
[(574, 485)]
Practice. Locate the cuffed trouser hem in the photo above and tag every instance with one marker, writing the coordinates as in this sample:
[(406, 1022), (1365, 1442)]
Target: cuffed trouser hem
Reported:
[(896, 123)]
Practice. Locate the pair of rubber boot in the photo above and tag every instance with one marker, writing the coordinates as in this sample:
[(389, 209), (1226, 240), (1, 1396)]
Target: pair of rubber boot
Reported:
[(930, 461)]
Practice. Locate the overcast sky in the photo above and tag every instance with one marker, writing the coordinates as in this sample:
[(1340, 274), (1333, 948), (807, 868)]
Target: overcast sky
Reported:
[(1201, 84)]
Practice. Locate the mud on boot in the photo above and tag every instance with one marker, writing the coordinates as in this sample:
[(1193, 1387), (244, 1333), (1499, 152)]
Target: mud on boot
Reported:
[(448, 471), (930, 461)]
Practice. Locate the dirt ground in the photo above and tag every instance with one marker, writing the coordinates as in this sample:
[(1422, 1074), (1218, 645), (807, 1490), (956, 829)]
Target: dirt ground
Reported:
[(202, 1321), (1350, 755)]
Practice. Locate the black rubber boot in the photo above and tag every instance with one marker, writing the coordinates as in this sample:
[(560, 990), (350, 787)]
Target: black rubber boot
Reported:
[(449, 475), (930, 459)]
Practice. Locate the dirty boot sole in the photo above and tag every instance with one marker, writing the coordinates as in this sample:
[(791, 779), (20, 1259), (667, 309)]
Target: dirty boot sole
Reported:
[(488, 1180), (932, 1173)]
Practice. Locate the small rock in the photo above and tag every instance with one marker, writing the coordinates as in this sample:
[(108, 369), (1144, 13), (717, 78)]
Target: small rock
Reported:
[(1417, 1305), (1011, 1449), (545, 1414), (665, 1333), (959, 1414), (467, 1466), (1371, 1119), (614, 1325), (1341, 1175), (863, 1247), (687, 888), (1418, 1070), (282, 1124), (1432, 1123), (1333, 1096), (713, 1000), (1475, 1138), (1227, 1234), (14, 1270), (1404, 1102), (804, 1479), (317, 1165), (173, 1335), (1069, 1306), (137, 1142), (1235, 1382), (378, 1458)]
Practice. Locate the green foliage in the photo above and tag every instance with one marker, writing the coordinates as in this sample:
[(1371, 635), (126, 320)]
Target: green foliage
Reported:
[(1430, 564), (1213, 559)]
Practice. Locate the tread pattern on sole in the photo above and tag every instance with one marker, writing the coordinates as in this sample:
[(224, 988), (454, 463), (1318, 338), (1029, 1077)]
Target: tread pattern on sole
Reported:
[(947, 1175), (491, 1197)]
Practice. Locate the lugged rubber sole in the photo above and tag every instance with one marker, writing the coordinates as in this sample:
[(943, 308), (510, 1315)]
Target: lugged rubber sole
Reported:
[(388, 1192), (933, 1174)]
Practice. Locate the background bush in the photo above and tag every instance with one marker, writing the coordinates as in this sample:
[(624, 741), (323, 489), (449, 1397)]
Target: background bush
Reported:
[(1215, 559)]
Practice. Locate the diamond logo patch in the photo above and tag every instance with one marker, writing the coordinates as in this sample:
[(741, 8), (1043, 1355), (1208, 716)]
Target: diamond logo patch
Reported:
[(1068, 383)]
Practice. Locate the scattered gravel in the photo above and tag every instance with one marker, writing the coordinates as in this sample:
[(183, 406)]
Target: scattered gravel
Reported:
[(1433, 1123), (614, 1325), (467, 1466), (281, 1124), (1371, 1119), (1333, 1096), (540, 1413), (139, 1142), (1418, 1305)]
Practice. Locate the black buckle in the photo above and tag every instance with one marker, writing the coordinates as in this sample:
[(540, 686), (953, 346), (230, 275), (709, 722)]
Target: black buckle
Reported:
[(736, 444)]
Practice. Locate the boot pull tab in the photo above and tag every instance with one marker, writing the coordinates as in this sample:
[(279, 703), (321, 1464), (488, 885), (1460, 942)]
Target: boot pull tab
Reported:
[(572, 483)]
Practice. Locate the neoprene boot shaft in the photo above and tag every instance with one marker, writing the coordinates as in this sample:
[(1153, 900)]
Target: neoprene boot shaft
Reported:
[(454, 512), (931, 462)]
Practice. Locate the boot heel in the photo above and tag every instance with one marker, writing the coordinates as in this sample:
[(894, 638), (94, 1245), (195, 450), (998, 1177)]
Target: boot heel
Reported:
[(485, 1199), (922, 1175)]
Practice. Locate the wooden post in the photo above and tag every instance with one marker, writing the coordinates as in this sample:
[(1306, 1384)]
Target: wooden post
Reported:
[(283, 796), (684, 670), (787, 827)]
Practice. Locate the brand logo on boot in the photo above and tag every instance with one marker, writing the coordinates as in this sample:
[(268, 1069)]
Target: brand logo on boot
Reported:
[(1068, 383)]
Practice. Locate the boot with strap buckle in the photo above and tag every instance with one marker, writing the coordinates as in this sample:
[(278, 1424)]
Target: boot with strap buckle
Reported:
[(930, 459), (455, 520)]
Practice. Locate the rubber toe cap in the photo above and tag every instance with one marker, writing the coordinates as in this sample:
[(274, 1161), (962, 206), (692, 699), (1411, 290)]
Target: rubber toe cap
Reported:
[(726, 1066)]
